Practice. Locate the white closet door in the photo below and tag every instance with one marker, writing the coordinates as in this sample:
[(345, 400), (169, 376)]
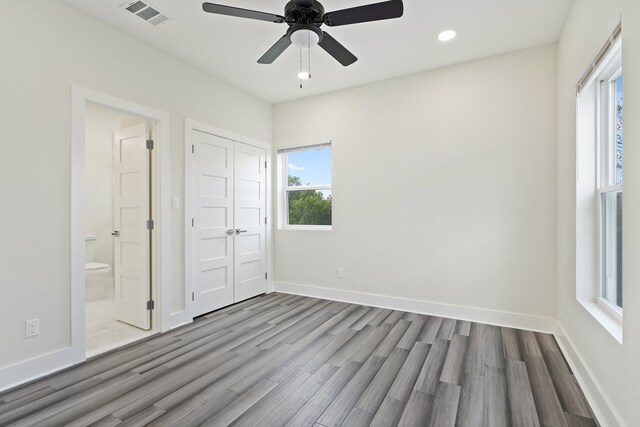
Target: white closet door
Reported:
[(132, 260), (213, 233), (249, 219)]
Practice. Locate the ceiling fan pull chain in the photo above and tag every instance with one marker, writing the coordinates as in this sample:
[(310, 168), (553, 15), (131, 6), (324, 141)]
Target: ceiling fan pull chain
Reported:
[(309, 59), (300, 73)]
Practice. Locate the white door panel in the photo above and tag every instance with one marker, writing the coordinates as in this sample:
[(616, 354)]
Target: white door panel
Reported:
[(132, 210), (213, 217), (250, 204)]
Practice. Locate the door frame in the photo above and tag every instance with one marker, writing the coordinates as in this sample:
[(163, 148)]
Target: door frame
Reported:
[(160, 211), (189, 125)]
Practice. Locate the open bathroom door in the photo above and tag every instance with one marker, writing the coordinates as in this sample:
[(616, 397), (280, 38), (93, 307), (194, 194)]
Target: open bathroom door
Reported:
[(132, 233)]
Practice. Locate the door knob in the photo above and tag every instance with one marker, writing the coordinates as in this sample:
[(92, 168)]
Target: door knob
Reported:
[(116, 233), (238, 231), (230, 231)]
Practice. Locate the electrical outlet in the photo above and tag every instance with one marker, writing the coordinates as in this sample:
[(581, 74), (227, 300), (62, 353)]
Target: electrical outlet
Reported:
[(33, 327), (340, 273), (175, 203)]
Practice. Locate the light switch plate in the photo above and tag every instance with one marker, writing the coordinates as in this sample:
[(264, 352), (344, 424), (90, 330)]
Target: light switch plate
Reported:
[(175, 203)]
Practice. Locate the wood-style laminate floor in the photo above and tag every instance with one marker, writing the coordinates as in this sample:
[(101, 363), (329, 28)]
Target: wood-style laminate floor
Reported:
[(289, 360)]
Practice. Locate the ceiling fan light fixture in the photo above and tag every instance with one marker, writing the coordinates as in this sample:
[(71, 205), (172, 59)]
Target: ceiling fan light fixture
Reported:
[(447, 35), (303, 75), (304, 38)]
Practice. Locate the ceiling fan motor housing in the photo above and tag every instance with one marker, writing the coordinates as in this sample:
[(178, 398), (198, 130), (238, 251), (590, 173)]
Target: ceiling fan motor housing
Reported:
[(295, 14)]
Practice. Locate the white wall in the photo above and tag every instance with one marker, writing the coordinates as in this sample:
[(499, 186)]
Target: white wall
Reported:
[(101, 124), (444, 186), (613, 368), (46, 47)]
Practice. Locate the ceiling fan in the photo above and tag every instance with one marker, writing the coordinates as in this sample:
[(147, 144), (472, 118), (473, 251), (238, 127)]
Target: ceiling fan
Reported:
[(305, 17)]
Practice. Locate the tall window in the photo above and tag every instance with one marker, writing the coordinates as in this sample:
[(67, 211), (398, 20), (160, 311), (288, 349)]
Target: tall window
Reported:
[(610, 184), (305, 183), (599, 186)]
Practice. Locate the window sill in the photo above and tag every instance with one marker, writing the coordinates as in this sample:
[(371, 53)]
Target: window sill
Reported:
[(307, 227), (609, 322)]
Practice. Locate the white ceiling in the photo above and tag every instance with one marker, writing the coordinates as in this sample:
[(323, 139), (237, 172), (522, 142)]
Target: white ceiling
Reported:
[(229, 47)]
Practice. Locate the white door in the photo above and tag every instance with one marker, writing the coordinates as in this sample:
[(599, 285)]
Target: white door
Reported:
[(132, 240), (229, 233), (249, 220), (213, 232)]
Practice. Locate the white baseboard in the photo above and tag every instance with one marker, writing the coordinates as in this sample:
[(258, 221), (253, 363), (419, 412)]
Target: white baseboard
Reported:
[(34, 368), (474, 314), (601, 405)]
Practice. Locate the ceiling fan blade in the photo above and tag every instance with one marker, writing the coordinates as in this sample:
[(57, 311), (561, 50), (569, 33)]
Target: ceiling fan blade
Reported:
[(303, 3), (335, 49), (241, 13), (276, 50), (371, 12)]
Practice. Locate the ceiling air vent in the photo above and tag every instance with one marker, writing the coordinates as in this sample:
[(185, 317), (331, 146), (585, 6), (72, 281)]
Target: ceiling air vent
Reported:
[(145, 11)]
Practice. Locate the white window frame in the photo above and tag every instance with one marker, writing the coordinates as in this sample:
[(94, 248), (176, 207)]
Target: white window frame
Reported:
[(606, 146), (608, 73), (595, 177), (284, 189)]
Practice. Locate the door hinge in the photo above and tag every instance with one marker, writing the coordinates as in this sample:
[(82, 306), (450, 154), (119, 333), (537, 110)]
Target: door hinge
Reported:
[(151, 304), (193, 149), (149, 144), (193, 296), (265, 164), (265, 276), (265, 219), (193, 222), (150, 224)]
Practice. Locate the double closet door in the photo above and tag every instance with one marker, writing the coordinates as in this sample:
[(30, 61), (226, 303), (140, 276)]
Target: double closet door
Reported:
[(228, 224)]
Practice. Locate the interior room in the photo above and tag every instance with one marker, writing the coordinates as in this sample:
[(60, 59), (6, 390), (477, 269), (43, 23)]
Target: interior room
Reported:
[(313, 213), (106, 329)]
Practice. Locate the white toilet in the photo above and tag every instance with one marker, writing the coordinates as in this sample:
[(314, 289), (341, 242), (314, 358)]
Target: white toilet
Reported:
[(97, 276)]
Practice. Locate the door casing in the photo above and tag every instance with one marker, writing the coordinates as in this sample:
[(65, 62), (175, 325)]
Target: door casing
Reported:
[(162, 318)]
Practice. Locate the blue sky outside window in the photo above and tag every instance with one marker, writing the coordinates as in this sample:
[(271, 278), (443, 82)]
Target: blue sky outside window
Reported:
[(313, 167), (618, 124)]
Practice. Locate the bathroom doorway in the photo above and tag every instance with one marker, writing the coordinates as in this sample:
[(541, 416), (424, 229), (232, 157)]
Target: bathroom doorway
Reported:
[(118, 228)]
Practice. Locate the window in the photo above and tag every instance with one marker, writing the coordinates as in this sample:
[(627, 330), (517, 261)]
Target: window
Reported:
[(599, 187), (610, 149), (305, 184)]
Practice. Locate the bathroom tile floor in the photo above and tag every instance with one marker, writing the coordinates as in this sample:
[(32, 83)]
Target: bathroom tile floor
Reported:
[(104, 332)]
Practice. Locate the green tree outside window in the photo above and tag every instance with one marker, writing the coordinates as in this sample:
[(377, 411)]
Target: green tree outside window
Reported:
[(308, 207)]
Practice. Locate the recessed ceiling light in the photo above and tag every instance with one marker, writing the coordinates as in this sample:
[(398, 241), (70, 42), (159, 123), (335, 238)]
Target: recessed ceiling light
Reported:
[(446, 36)]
